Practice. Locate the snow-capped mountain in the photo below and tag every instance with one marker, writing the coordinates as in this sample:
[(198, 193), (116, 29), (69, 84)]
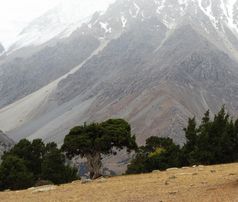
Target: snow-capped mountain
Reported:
[(59, 22), (152, 62), (219, 17), (68, 16), (219, 12)]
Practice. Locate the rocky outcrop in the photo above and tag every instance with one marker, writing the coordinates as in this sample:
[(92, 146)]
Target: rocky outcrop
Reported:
[(5, 143), (23, 75)]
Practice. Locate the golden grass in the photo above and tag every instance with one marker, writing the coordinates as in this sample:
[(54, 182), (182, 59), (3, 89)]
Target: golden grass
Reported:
[(211, 183)]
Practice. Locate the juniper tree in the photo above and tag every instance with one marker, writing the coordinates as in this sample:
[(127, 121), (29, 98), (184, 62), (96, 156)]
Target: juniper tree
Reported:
[(97, 139)]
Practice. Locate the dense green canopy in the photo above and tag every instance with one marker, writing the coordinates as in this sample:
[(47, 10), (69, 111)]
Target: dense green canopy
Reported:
[(27, 163), (158, 153), (14, 174), (214, 141), (103, 137), (96, 139)]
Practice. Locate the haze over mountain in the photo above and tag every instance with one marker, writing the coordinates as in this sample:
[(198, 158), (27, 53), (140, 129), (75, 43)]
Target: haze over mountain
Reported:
[(153, 62), (58, 22), (1, 49)]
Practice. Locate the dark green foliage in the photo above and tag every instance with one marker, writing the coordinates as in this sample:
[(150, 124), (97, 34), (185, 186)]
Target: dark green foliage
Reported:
[(190, 148), (212, 142), (31, 153), (158, 153), (118, 133), (54, 169), (139, 164), (14, 174), (99, 137), (91, 141), (28, 162)]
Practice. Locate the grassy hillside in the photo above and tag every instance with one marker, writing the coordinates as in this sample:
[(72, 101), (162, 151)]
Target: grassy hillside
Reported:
[(209, 183)]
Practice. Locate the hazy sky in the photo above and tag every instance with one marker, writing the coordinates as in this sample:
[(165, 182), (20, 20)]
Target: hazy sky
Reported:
[(16, 14)]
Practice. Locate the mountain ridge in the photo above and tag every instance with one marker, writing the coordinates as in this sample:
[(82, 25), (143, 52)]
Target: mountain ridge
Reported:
[(152, 63), (59, 22)]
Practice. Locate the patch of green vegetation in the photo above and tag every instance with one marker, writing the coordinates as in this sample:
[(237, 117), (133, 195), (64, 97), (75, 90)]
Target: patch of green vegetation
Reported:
[(212, 142), (28, 162)]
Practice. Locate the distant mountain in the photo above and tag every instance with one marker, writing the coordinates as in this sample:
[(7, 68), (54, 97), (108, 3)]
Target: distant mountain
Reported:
[(49, 46), (59, 22), (154, 63)]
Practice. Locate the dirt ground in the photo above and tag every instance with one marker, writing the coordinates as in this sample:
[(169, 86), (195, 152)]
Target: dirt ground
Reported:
[(203, 183)]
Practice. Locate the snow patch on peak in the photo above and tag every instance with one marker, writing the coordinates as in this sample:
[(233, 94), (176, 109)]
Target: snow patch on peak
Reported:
[(161, 5), (224, 9), (59, 22), (106, 27), (90, 26), (183, 2), (135, 10), (123, 21), (206, 7), (230, 15)]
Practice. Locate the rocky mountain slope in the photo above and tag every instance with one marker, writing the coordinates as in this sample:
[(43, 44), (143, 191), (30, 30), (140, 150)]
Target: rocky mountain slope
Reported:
[(23, 75), (5, 143), (154, 63)]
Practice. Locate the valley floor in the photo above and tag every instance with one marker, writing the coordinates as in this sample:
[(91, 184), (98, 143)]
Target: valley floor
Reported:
[(210, 183)]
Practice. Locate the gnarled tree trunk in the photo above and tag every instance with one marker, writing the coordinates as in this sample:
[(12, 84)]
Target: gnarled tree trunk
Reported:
[(94, 165)]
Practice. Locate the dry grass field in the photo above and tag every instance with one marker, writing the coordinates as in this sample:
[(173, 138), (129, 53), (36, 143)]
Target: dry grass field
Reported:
[(210, 183)]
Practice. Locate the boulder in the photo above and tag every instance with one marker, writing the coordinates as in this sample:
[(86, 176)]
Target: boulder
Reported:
[(44, 189), (171, 169)]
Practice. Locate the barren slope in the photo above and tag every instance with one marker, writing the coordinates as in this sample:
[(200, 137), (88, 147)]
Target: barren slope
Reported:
[(164, 61), (212, 183)]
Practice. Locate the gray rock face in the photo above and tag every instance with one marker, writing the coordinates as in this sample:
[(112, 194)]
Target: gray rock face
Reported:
[(163, 62), (155, 90), (24, 75), (5, 143)]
